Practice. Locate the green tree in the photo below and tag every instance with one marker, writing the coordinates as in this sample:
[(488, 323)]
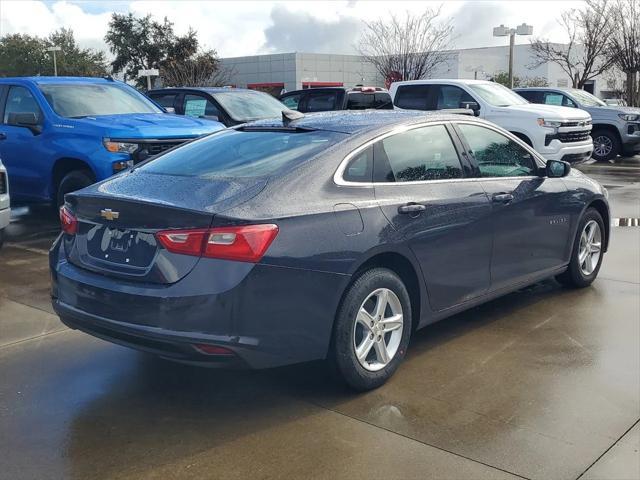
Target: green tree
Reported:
[(143, 43), (22, 55), (503, 79)]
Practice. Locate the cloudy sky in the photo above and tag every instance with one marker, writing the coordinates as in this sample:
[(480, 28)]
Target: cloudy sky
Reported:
[(247, 27)]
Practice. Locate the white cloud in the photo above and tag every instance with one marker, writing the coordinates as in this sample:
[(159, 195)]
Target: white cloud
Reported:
[(238, 28)]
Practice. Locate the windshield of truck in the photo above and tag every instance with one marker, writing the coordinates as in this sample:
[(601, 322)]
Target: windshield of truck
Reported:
[(586, 99), (79, 100), (497, 95)]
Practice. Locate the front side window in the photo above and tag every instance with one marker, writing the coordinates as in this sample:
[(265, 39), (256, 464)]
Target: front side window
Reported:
[(20, 100), (586, 99), (198, 106), (496, 154), (77, 100), (243, 153), (425, 153), (450, 96), (292, 101), (558, 99)]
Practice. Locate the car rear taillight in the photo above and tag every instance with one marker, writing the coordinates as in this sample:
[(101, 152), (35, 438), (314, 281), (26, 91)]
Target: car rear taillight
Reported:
[(247, 243), (68, 221)]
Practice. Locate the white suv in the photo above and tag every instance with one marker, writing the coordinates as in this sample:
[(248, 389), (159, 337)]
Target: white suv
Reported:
[(5, 213), (557, 133)]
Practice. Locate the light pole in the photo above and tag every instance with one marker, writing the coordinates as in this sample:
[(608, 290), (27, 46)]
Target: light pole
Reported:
[(503, 31), (55, 65)]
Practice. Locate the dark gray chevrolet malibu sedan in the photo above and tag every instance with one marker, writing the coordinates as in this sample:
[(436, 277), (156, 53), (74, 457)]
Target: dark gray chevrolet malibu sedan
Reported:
[(332, 236)]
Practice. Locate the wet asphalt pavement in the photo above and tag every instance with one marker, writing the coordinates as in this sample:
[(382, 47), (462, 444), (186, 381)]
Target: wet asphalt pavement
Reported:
[(543, 383)]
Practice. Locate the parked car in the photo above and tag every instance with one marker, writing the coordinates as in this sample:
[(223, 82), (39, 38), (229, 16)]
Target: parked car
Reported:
[(5, 210), (337, 98), (616, 129), (335, 235), (231, 106), (59, 134), (557, 133)]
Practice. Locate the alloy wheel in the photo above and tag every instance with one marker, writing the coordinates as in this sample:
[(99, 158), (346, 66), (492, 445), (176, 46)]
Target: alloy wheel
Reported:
[(377, 331), (590, 247), (602, 146)]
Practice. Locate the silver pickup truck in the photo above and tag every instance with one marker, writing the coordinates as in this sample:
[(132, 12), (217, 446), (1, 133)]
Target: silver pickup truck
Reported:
[(616, 129)]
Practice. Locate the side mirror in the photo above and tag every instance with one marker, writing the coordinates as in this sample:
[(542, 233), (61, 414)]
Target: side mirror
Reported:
[(557, 168), (471, 106), (169, 109), (211, 117), (25, 119)]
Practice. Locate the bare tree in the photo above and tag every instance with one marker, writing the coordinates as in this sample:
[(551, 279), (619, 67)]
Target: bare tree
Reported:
[(586, 55), (202, 70), (624, 43), (408, 47)]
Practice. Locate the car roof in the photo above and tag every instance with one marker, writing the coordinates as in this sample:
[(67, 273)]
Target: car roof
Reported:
[(44, 80), (205, 89), (453, 81), (360, 121)]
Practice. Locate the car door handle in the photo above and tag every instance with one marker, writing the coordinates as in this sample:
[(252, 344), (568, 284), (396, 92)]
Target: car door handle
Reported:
[(502, 197), (3, 136), (411, 208)]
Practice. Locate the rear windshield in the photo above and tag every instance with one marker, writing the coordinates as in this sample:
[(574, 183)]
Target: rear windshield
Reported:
[(247, 106), (361, 101), (89, 100), (237, 153)]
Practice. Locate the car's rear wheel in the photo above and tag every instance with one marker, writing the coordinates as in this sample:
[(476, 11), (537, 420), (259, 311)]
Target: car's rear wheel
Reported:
[(372, 329), (605, 145), (71, 182), (588, 252)]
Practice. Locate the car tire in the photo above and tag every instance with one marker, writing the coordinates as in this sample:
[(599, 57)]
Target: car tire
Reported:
[(581, 273), (386, 336), (606, 145), (71, 182)]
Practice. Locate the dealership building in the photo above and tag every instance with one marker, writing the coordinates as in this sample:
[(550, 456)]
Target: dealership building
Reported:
[(292, 71)]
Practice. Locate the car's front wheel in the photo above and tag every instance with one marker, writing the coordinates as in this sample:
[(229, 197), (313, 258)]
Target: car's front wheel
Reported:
[(372, 329), (605, 145), (588, 252)]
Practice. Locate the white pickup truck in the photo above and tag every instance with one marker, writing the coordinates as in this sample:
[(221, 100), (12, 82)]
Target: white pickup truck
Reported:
[(5, 213), (557, 133)]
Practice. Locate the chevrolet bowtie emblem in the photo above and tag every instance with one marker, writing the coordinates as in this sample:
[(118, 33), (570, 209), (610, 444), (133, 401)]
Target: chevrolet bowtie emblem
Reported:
[(109, 214)]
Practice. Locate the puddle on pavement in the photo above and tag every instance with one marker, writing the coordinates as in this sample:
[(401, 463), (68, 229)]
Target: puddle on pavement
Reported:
[(625, 222)]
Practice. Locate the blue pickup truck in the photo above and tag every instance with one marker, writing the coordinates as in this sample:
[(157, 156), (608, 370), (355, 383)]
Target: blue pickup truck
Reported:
[(60, 134)]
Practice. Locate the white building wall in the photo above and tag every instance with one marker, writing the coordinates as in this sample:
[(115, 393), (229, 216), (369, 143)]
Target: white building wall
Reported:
[(293, 69)]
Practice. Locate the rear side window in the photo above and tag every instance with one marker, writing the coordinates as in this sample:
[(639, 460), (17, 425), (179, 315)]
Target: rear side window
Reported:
[(360, 168), (20, 100), (414, 97), (425, 153), (322, 102), (362, 101), (238, 153), (497, 155)]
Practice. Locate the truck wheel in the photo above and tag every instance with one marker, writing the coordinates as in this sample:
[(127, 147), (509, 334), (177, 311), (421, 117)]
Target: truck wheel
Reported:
[(73, 181), (605, 145)]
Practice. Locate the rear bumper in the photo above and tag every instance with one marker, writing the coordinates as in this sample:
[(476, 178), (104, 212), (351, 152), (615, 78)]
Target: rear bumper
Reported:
[(266, 315)]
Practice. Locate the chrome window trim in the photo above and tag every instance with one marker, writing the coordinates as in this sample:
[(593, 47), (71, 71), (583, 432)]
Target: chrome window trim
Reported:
[(339, 180)]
